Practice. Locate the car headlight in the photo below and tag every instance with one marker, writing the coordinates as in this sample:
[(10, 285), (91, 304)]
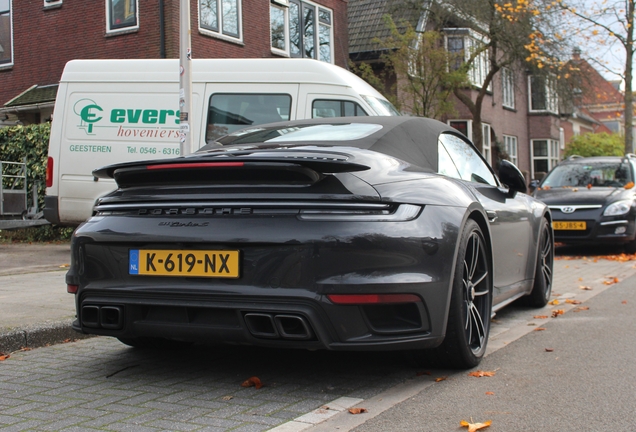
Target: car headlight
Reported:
[(618, 208)]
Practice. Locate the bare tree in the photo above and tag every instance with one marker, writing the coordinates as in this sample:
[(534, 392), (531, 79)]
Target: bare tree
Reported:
[(608, 23)]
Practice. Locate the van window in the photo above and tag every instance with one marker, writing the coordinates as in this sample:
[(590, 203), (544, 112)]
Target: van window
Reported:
[(382, 107), (229, 112), (321, 108)]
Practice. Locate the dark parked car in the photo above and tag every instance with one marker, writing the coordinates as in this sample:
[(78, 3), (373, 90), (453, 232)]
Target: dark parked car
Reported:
[(344, 234), (592, 200)]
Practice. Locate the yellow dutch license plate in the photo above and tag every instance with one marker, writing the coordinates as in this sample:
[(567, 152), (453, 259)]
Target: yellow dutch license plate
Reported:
[(571, 225), (192, 263)]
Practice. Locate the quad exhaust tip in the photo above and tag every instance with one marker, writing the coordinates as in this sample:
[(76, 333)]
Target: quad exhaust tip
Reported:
[(106, 317), (275, 326)]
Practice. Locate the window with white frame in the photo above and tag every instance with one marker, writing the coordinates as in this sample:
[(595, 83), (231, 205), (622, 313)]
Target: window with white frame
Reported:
[(545, 155), (301, 29), (507, 88), (485, 141), (6, 33), (52, 3), (463, 43), (511, 148), (543, 94), (121, 15), (221, 18)]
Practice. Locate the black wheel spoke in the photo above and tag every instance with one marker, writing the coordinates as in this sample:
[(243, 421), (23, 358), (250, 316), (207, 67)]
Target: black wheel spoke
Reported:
[(478, 323)]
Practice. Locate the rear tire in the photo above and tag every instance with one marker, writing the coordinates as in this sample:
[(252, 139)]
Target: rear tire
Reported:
[(470, 307), (542, 288)]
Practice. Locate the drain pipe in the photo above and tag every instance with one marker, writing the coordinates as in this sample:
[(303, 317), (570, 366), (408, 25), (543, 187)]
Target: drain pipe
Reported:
[(162, 32)]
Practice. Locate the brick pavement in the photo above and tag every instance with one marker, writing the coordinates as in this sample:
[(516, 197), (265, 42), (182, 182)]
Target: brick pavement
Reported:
[(99, 384)]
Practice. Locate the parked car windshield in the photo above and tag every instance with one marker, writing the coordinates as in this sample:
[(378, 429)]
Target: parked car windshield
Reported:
[(381, 107), (608, 174)]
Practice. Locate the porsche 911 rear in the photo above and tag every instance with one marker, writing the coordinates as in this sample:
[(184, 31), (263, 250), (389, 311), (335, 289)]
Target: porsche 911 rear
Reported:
[(289, 250)]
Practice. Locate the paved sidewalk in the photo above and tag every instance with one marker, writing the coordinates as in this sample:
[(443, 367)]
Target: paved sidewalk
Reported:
[(35, 309)]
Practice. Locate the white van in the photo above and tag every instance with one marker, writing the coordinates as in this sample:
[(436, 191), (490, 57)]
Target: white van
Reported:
[(110, 111)]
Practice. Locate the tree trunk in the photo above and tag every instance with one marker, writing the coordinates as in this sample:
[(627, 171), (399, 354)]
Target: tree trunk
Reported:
[(629, 96)]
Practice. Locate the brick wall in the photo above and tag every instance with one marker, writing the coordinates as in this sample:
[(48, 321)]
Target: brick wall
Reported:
[(45, 39)]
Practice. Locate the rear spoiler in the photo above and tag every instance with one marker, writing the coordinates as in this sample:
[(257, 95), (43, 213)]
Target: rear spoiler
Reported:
[(227, 170)]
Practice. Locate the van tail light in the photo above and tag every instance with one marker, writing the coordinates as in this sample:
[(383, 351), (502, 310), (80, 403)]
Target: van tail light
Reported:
[(49, 172)]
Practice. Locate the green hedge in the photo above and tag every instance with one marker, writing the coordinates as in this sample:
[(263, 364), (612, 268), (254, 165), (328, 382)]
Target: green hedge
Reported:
[(30, 142)]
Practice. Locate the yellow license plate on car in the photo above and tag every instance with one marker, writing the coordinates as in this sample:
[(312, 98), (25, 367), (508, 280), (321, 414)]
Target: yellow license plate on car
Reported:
[(571, 225), (192, 263)]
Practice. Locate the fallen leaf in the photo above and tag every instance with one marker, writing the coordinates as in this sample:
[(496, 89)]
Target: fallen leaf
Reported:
[(540, 317), (472, 427), (480, 374), (624, 302), (440, 379), (490, 393), (226, 398), (611, 281), (580, 279), (554, 302), (4, 356), (581, 308), (585, 287), (357, 410), (539, 329), (422, 373), (571, 301), (556, 313), (253, 381), (549, 349)]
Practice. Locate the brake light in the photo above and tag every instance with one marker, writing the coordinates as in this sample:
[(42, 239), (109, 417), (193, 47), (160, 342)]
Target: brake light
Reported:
[(373, 298), (49, 172), (195, 165)]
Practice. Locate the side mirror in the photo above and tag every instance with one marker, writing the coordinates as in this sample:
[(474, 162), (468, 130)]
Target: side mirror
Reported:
[(510, 176)]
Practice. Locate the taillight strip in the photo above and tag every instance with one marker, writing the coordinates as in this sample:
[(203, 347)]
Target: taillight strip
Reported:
[(195, 165)]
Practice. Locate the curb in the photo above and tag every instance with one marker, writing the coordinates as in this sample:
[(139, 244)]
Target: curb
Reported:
[(40, 335)]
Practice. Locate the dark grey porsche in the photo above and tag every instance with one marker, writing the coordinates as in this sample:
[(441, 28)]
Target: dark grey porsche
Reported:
[(377, 233)]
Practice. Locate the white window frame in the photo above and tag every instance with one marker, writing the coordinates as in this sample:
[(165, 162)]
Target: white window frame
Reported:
[(10, 62), (553, 150), (52, 3), (284, 4), (507, 88), (481, 66), (219, 34), (486, 143), (122, 29), (511, 147), (551, 96)]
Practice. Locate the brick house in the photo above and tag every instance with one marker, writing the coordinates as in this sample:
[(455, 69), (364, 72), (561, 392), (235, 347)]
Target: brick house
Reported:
[(598, 105), (520, 112), (38, 37)]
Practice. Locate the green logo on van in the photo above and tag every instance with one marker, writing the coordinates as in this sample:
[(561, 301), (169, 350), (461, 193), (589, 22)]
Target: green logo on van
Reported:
[(90, 113)]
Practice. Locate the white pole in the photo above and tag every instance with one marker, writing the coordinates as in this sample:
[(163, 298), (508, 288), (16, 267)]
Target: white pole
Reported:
[(185, 79)]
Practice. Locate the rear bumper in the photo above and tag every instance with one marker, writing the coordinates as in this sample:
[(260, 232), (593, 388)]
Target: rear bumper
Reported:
[(51, 212), (288, 269), (293, 322)]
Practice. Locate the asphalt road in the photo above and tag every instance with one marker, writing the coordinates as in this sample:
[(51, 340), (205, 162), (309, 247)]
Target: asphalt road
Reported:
[(586, 383)]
